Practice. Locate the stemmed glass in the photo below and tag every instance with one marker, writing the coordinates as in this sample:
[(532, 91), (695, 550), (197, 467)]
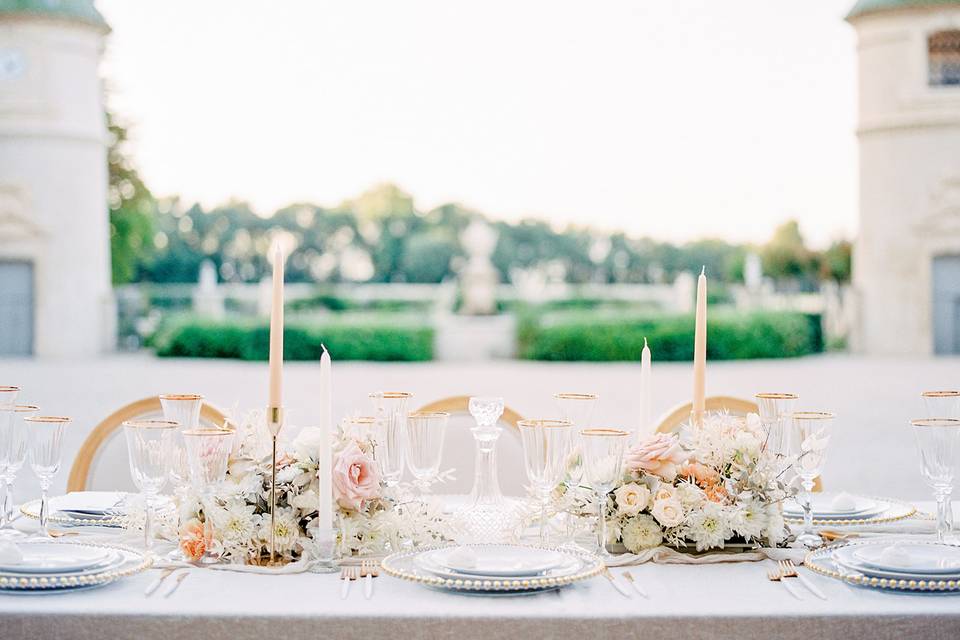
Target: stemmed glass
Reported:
[(149, 444), (938, 440), (811, 435), (46, 438), (577, 409), (184, 409), (8, 395), (943, 404), (602, 467), (546, 445), (425, 434), (389, 431), (13, 442), (208, 453), (775, 410)]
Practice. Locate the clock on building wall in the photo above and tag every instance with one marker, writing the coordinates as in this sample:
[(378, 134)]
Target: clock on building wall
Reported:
[(12, 64)]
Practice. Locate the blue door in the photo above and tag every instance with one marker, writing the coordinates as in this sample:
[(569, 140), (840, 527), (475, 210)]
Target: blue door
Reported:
[(946, 304), (16, 308)]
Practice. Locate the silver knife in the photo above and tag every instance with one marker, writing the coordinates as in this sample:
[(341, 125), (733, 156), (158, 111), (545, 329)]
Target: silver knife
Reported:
[(814, 589)]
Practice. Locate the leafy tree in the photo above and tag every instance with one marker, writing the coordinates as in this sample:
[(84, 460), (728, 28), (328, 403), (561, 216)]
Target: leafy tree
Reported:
[(835, 263), (786, 257), (132, 207)]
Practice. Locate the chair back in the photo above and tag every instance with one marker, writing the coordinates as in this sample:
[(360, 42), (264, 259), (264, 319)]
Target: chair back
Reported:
[(459, 448), (101, 462)]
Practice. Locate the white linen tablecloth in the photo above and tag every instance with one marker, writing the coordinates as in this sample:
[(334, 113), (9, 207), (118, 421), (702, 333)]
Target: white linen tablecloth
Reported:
[(731, 600)]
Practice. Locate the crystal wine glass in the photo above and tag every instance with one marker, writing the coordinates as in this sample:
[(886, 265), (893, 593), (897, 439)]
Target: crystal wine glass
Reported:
[(775, 410), (149, 444), (184, 409), (208, 454), (46, 438), (810, 434), (425, 434), (577, 409), (943, 404), (8, 395), (546, 447), (938, 440), (603, 451), (389, 431), (14, 436)]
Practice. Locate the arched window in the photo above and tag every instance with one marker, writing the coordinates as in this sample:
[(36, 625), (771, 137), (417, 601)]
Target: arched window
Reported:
[(943, 49)]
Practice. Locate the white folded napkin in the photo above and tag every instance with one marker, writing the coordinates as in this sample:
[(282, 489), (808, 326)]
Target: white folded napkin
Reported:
[(94, 503)]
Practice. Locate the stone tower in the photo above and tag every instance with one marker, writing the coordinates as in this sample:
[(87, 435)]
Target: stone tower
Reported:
[(55, 293), (907, 255)]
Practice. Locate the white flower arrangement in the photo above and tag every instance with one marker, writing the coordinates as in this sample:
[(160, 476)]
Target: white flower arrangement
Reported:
[(234, 524), (704, 488)]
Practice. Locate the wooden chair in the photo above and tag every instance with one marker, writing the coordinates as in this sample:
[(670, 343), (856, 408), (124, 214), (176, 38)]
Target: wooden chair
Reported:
[(737, 406), (461, 404), (678, 415), (93, 445)]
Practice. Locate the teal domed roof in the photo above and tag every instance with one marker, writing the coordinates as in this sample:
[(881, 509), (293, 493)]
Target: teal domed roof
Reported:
[(78, 10), (866, 7)]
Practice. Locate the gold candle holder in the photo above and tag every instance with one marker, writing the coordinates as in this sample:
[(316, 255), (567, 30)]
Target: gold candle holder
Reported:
[(274, 424)]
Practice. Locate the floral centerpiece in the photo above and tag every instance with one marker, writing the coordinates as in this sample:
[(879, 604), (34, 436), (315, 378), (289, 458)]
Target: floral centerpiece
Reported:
[(702, 489), (233, 524)]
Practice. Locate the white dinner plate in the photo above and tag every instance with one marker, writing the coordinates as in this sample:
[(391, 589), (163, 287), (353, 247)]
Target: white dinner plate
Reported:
[(822, 506), (845, 559), (427, 563), (56, 557), (507, 561), (919, 558)]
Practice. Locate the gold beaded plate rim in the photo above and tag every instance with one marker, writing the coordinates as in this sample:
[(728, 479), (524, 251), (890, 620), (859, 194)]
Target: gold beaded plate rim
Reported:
[(67, 581), (31, 509), (821, 561), (489, 584), (909, 510)]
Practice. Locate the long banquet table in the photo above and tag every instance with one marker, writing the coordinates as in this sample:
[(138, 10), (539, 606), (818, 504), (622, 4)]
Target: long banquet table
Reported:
[(686, 601)]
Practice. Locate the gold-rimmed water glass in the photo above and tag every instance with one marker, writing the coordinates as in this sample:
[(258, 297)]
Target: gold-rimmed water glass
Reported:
[(184, 409), (810, 433), (149, 443), (208, 454), (426, 431), (775, 409), (46, 440), (390, 409), (942, 404), (360, 427), (577, 409), (603, 451), (546, 446), (14, 438), (938, 440)]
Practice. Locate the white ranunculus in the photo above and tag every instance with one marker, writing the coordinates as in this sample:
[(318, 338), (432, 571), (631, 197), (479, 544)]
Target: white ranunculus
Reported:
[(690, 495), (668, 512), (307, 443), (632, 498), (307, 501)]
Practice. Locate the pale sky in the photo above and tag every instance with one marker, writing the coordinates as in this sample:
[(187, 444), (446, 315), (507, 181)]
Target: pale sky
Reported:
[(675, 119)]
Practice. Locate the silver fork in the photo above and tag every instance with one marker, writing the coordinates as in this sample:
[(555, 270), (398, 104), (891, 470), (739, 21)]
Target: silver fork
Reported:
[(789, 570)]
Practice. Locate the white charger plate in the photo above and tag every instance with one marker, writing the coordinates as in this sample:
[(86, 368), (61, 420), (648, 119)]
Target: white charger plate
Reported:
[(821, 507), (824, 561), (498, 560), (77, 515), (924, 558), (42, 557), (128, 562)]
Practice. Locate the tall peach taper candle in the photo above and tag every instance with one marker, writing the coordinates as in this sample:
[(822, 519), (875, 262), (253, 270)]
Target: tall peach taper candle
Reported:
[(276, 332), (646, 392), (325, 455), (700, 351)]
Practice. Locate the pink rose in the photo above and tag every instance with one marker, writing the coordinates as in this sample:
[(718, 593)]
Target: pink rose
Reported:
[(355, 477), (659, 455)]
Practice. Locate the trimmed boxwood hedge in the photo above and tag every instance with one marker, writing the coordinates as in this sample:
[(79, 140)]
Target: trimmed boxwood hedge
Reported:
[(729, 337), (381, 342)]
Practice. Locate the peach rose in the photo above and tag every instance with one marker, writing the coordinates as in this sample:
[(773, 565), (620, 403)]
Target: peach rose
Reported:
[(715, 493), (659, 455), (195, 539), (703, 474), (355, 478)]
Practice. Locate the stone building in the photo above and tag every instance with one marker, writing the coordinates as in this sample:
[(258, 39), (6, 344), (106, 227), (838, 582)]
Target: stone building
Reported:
[(907, 255), (55, 293)]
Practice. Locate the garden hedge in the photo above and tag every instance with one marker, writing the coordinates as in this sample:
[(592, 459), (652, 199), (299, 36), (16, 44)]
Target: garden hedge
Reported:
[(729, 337), (366, 341)]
